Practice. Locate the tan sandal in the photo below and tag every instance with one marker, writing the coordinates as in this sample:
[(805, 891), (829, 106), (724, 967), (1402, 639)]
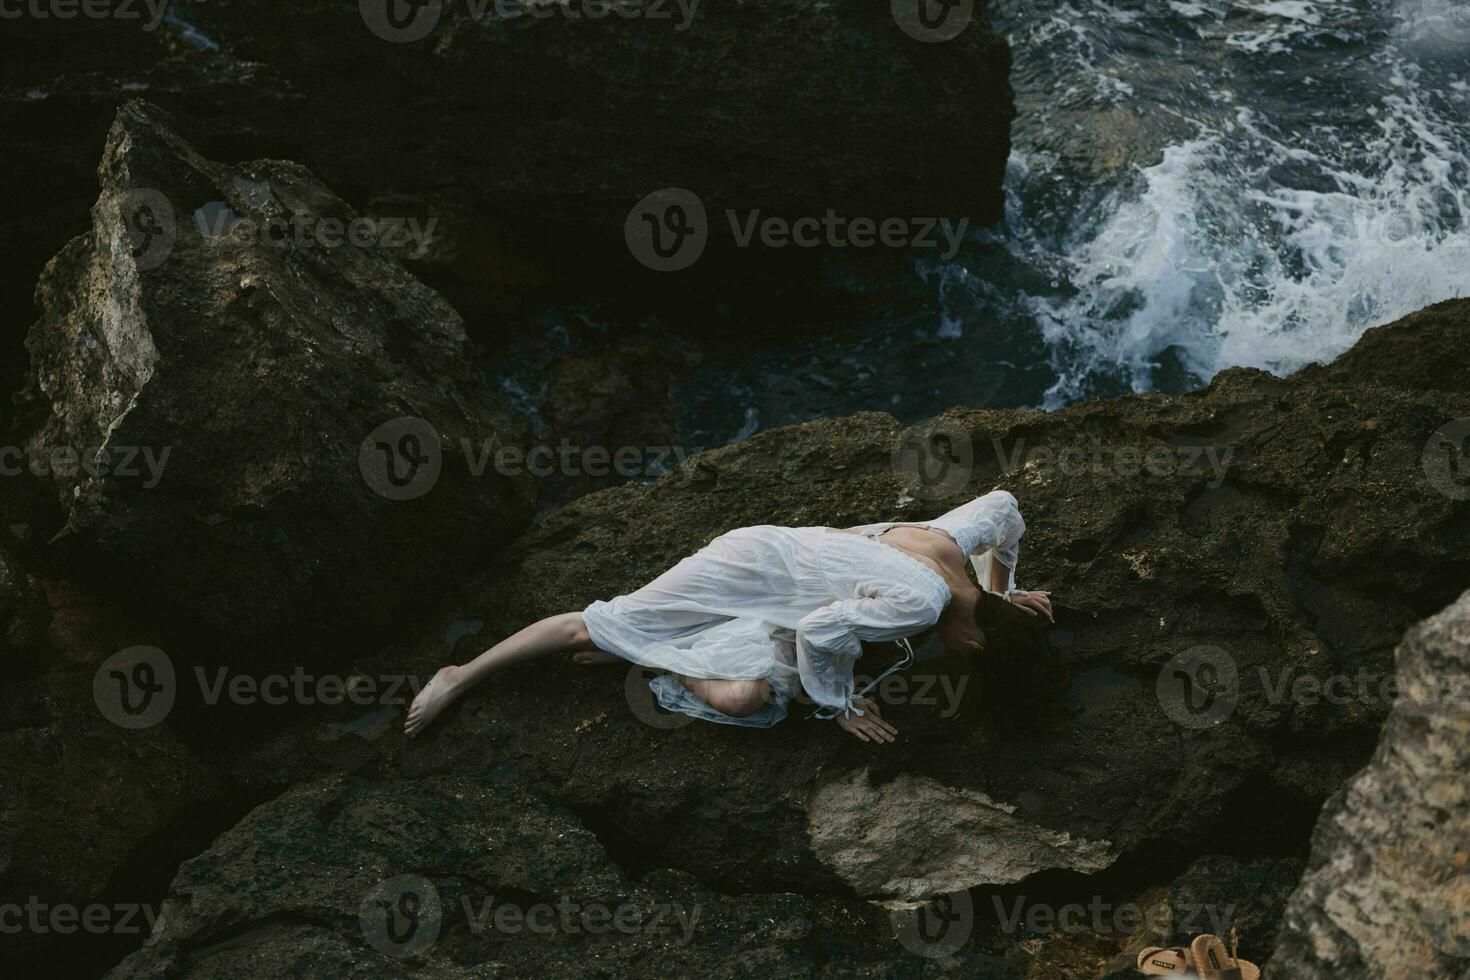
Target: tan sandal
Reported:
[(1208, 955), (1164, 961)]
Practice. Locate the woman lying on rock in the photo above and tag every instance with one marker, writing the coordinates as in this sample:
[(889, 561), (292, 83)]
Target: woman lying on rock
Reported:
[(760, 613)]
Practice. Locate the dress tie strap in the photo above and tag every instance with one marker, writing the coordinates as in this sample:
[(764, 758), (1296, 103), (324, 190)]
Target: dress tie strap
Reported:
[(903, 664)]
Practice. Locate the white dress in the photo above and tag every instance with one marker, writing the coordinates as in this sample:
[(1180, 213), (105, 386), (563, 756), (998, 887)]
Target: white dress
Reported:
[(793, 605)]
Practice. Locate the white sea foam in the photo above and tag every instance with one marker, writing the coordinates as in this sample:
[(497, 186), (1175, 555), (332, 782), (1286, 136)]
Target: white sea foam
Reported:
[(1260, 244)]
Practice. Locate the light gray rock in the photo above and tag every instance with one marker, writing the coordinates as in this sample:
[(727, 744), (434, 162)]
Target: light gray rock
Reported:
[(1386, 895), (910, 838)]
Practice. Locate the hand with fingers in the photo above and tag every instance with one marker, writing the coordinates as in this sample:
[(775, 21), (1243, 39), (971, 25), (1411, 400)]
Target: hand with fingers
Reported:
[(869, 726), (1034, 603)]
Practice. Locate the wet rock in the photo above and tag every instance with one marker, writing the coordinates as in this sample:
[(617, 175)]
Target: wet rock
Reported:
[(1162, 525), (1280, 528), (1219, 892), (1423, 350), (494, 125), (219, 386), (615, 411), (23, 612), (1166, 528), (91, 813), (876, 126), (456, 876), (1387, 889)]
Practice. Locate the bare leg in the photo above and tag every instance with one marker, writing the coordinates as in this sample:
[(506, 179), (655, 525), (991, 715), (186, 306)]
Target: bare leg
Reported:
[(738, 699), (555, 634)]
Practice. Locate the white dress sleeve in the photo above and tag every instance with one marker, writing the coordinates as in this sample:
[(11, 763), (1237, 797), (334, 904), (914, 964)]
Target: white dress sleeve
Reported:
[(830, 639), (996, 519)]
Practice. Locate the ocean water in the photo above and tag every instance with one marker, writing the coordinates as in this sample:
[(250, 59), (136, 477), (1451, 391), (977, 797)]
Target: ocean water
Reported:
[(1302, 176), (1194, 185)]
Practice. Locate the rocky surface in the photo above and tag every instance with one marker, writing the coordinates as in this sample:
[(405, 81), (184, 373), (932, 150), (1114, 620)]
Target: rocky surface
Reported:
[(22, 610), (1387, 890), (1301, 549), (723, 98), (500, 884), (90, 812), (1427, 349), (219, 383), (529, 138)]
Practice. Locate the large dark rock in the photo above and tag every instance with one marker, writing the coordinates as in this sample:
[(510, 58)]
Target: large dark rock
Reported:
[(448, 876), (1387, 892), (1304, 553), (228, 390), (23, 612), (91, 812), (530, 138)]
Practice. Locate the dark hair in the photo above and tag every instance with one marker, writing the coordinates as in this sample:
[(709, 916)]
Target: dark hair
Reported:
[(1019, 671)]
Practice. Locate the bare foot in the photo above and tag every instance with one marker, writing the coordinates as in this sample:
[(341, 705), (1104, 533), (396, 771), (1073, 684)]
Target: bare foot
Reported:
[(594, 658), (437, 695)]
